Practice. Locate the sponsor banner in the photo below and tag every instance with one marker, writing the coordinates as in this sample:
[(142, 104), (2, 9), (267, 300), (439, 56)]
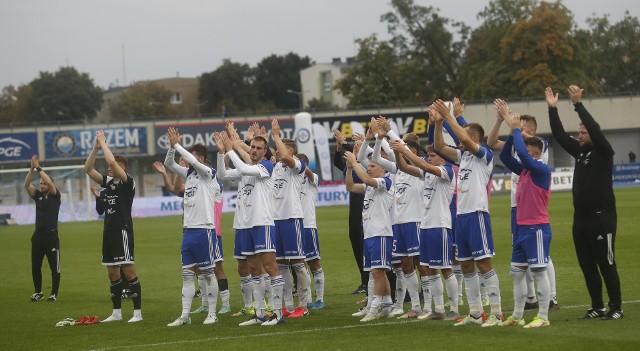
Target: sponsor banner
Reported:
[(402, 123), (324, 154), (79, 143), (626, 173), (18, 146), (304, 138), (501, 183), (561, 181), (202, 133)]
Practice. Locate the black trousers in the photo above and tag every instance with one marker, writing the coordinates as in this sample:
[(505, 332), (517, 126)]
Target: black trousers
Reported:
[(356, 235), (594, 239), (45, 245)]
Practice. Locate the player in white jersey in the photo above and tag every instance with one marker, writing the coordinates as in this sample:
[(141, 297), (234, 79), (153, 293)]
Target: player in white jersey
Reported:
[(253, 219), (436, 246), (529, 128), (288, 175), (473, 224), (308, 196), (378, 235), (198, 241), (407, 214)]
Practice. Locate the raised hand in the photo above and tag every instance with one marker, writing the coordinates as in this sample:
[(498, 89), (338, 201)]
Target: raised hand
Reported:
[(228, 144), (159, 167), (100, 138), (443, 109), (458, 107), (34, 161), (575, 93), (357, 146), (502, 107), (340, 139), (434, 114), (350, 158), (275, 128), (552, 99), (383, 124), (398, 146), (358, 137), (173, 135), (218, 139)]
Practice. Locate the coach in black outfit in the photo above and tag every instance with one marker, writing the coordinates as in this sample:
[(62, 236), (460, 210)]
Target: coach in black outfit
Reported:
[(594, 219), (45, 241)]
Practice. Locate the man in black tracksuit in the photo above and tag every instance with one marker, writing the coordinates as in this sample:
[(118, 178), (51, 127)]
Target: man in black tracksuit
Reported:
[(45, 241), (594, 219)]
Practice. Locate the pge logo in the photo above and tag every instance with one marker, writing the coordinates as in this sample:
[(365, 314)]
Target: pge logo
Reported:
[(65, 144), (303, 135), (12, 148)]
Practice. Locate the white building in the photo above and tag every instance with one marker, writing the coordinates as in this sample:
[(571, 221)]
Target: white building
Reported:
[(318, 82)]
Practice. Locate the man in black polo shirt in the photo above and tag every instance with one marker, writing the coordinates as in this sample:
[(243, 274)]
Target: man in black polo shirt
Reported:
[(594, 218), (117, 237), (44, 241)]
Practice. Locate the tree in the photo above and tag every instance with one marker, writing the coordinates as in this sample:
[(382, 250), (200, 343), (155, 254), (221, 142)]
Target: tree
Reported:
[(422, 37), (142, 100), (374, 78), (13, 104), (616, 53), (275, 74), (65, 95), (229, 88)]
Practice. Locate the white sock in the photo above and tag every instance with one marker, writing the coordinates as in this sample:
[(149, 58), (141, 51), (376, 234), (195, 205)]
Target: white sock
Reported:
[(287, 289), (202, 283), (318, 277), (304, 284), (277, 284), (268, 291), (411, 282), (188, 289), (544, 291), (401, 289), (370, 289), (246, 287), (531, 290), (387, 303), (457, 271), (452, 292), (117, 312), (376, 302), (519, 291), (258, 295), (426, 293), (493, 290), (212, 290), (472, 287), (437, 291), (551, 273), (224, 297), (483, 286)]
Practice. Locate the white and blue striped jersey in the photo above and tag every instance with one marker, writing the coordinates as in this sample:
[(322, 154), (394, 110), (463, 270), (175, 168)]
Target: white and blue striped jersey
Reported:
[(438, 192), (308, 196), (287, 183), (473, 178), (201, 189), (376, 210), (407, 198)]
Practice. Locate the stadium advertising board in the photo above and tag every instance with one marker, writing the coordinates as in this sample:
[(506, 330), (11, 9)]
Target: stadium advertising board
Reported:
[(79, 143), (195, 133), (626, 173), (18, 146), (416, 122)]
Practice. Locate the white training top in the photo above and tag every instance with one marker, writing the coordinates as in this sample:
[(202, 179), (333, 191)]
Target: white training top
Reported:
[(376, 211), (201, 189), (287, 183), (438, 192), (255, 191), (473, 178), (516, 178), (308, 196)]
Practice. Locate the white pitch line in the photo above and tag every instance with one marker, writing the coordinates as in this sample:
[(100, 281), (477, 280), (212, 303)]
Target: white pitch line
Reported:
[(289, 332)]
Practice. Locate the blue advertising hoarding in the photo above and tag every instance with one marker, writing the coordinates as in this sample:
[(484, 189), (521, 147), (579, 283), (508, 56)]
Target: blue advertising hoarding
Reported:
[(18, 146), (79, 143)]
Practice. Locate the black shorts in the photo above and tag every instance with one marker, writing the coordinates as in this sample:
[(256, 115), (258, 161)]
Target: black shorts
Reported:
[(46, 242), (117, 247)]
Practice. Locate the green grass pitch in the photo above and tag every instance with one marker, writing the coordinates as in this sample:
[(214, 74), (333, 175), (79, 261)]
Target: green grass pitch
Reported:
[(84, 290)]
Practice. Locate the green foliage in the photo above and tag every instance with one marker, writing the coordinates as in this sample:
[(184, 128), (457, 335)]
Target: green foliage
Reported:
[(85, 290), (230, 87), (143, 100), (276, 74), (65, 95), (616, 53), (13, 103)]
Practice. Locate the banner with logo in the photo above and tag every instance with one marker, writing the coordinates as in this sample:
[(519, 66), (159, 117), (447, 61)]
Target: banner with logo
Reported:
[(626, 173), (324, 154), (79, 143), (195, 133), (416, 122), (304, 138), (18, 146)]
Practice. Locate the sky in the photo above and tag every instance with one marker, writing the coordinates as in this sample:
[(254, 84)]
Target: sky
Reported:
[(118, 42)]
